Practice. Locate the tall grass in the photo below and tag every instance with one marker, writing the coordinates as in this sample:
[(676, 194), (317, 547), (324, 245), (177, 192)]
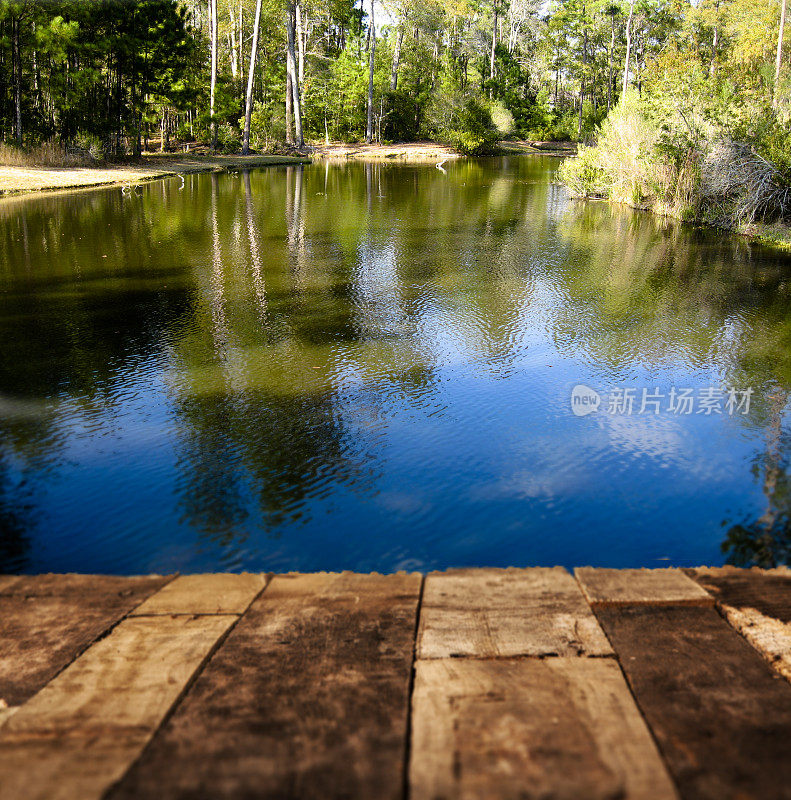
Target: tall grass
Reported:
[(47, 154), (709, 178)]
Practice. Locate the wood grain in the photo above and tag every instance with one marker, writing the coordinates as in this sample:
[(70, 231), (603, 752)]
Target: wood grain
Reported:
[(758, 604), (6, 712), (506, 612), (767, 591), (553, 728), (71, 584), (7, 581), (604, 587), (307, 698), (721, 717), (45, 623), (81, 732), (205, 594)]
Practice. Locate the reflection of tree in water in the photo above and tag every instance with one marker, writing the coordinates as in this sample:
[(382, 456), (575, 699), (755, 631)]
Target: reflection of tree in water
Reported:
[(251, 456), (16, 519), (30, 445), (645, 289), (766, 542), (276, 451)]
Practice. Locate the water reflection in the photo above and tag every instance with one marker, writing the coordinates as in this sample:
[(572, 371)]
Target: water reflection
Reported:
[(369, 366), (766, 541)]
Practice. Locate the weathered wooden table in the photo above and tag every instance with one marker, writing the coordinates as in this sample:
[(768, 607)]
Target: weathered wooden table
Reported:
[(519, 683)]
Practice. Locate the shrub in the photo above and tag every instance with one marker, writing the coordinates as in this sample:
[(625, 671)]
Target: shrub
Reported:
[(48, 154), (502, 119), (683, 166), (622, 165), (267, 126), (90, 144), (228, 139), (584, 176), (739, 186), (463, 120)]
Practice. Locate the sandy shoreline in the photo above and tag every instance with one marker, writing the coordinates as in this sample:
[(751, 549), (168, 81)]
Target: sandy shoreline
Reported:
[(24, 180)]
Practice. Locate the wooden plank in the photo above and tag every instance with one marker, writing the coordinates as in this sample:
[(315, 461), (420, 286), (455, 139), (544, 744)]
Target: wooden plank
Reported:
[(205, 594), (767, 591), (6, 712), (607, 587), (7, 581), (529, 728), (81, 732), (72, 584), (758, 604), (721, 717), (73, 768), (506, 612), (45, 624), (307, 698)]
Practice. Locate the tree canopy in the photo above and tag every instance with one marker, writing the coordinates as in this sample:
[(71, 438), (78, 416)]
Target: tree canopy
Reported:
[(114, 75)]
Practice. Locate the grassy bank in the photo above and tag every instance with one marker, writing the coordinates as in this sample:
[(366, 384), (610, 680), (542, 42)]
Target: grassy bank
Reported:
[(707, 178), (405, 151), (20, 179), (431, 151)]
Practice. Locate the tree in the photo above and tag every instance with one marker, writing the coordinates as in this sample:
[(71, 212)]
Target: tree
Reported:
[(248, 107), (213, 87), (628, 49), (369, 129), (296, 102), (779, 58)]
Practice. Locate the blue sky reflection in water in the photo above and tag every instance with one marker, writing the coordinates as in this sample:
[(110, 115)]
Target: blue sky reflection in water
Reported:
[(369, 367)]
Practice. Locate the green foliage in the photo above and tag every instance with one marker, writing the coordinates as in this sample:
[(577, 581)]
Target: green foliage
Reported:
[(100, 64), (122, 70), (267, 126), (228, 139), (404, 113), (462, 119)]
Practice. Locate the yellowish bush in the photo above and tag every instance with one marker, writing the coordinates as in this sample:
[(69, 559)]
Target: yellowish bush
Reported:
[(47, 154)]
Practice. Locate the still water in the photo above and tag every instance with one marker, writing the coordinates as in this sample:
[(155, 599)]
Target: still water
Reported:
[(370, 366)]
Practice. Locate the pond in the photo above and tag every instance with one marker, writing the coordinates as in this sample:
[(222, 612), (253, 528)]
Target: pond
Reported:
[(371, 367)]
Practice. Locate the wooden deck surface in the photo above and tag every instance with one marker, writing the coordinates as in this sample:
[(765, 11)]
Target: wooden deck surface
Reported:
[(531, 684)]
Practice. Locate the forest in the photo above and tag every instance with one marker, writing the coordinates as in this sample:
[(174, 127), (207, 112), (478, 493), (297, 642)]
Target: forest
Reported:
[(110, 77), (116, 77)]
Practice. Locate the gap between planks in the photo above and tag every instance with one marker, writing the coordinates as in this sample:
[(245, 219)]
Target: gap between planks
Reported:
[(475, 615), (94, 707)]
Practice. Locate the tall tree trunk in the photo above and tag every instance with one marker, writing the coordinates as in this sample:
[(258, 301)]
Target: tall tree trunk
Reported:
[(232, 43), (628, 49), (779, 59), (396, 59), (369, 129), (715, 39), (17, 67), (289, 108), (213, 86), (248, 106), (300, 43), (609, 62), (239, 44), (583, 76), (494, 47), (291, 65)]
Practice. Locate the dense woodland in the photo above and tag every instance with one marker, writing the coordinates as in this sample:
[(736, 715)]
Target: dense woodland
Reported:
[(690, 103), (116, 76)]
